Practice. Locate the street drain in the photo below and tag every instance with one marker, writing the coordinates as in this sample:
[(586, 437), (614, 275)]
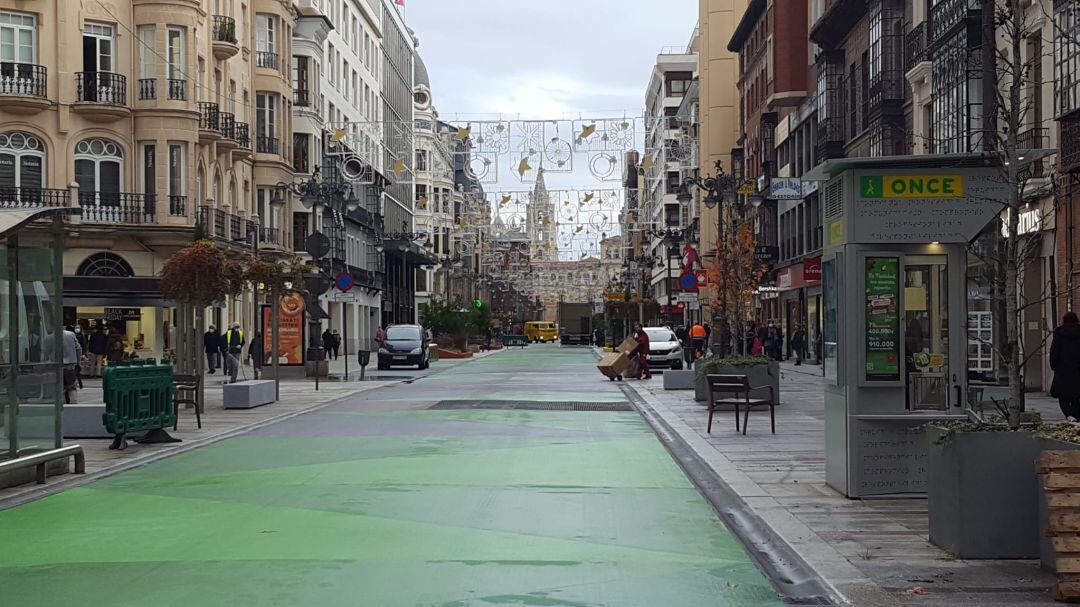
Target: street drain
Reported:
[(531, 405)]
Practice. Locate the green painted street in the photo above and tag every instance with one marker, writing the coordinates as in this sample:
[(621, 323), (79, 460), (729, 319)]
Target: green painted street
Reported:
[(484, 484)]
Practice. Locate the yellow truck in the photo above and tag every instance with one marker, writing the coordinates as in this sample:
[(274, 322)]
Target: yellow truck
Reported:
[(541, 332)]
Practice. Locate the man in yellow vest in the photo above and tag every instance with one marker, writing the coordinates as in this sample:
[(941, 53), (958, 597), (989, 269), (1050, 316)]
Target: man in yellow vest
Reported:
[(234, 345)]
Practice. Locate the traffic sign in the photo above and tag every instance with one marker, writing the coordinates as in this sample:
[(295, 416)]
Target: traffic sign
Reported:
[(317, 245), (702, 277), (344, 282), (687, 297), (688, 281)]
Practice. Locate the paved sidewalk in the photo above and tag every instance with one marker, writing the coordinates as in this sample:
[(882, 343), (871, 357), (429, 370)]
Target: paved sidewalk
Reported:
[(297, 396), (874, 552)]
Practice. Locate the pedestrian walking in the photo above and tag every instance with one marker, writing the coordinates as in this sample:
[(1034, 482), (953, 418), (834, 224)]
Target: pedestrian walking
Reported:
[(749, 338), (336, 343), (234, 346), (255, 353), (380, 335), (212, 345), (98, 347), (72, 354), (769, 340), (1065, 361), (83, 349), (697, 339), (642, 350), (798, 342), (488, 334)]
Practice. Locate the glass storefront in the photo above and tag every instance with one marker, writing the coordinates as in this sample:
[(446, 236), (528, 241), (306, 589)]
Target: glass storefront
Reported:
[(30, 343), (143, 332)]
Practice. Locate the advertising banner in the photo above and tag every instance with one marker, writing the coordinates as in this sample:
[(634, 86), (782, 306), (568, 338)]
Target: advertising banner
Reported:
[(290, 348), (882, 319)]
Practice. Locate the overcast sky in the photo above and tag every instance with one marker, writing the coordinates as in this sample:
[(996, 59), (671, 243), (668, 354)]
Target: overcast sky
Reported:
[(544, 58)]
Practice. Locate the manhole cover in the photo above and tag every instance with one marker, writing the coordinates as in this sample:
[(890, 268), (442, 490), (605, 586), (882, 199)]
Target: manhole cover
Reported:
[(532, 405)]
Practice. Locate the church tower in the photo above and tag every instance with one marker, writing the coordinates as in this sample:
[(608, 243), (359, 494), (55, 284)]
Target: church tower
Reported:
[(541, 222)]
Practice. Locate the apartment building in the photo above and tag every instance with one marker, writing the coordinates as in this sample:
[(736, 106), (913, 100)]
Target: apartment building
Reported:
[(665, 223), (161, 117)]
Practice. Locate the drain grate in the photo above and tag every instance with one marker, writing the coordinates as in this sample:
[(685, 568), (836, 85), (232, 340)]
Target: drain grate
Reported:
[(532, 405)]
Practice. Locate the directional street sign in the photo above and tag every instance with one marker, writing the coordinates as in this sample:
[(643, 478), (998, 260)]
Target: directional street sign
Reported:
[(338, 296), (688, 297)]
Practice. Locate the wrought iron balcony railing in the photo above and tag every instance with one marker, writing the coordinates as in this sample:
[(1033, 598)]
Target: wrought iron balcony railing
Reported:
[(209, 115), (147, 89), (23, 79), (915, 47), (267, 59), (241, 134), (267, 145), (270, 236), (177, 205), (22, 198), (117, 207), (224, 29), (101, 87), (177, 89), (301, 98), (227, 125)]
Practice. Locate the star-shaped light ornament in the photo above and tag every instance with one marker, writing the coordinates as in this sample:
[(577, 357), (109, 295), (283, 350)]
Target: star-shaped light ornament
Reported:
[(589, 197), (338, 135), (422, 203), (464, 132), (523, 166), (505, 199), (648, 162), (588, 130), (399, 167)]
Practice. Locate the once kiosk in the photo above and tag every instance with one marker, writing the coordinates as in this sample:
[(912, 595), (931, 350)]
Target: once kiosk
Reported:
[(895, 310)]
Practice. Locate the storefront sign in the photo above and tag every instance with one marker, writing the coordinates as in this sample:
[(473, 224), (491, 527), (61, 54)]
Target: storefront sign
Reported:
[(919, 206), (783, 279), (787, 188), (113, 314), (811, 269), (615, 296), (766, 254), (836, 232), (882, 319), (290, 349)]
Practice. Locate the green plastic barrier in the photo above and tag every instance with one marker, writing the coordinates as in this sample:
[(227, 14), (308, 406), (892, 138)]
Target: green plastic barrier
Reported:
[(515, 340), (138, 398)]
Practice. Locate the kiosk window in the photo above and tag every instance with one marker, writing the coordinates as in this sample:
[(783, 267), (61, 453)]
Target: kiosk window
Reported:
[(926, 331), (829, 337), (882, 347)]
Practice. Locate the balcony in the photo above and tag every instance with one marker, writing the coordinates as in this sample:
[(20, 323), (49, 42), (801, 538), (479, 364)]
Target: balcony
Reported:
[(177, 205), (32, 198), (117, 207), (23, 87), (1069, 138), (147, 89), (886, 93), (224, 37), (242, 138), (1032, 139), (209, 121), (301, 98), (267, 59), (101, 96), (948, 16), (915, 50), (221, 225), (227, 128), (271, 237), (177, 89), (267, 145), (830, 139)]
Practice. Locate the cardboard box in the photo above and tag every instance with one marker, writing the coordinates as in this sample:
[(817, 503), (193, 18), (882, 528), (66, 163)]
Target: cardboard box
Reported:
[(614, 364), (628, 345)]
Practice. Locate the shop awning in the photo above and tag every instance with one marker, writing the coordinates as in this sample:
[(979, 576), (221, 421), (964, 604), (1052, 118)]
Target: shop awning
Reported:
[(13, 219), (112, 291)]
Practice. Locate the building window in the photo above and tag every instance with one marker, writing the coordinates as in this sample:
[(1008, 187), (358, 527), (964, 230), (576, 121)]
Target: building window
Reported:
[(875, 39), (97, 48), (105, 264), (99, 170), (176, 53), (22, 161), (421, 160), (266, 114), (18, 38), (149, 169), (147, 58), (176, 169), (265, 211), (1067, 57)]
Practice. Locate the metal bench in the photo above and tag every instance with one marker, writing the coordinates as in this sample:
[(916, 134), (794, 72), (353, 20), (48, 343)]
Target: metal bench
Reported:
[(41, 461), (738, 385)]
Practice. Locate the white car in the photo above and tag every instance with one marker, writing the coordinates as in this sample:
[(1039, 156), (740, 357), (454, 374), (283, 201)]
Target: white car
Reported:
[(665, 351)]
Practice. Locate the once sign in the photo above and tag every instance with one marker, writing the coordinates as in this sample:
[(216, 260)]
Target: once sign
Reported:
[(911, 186)]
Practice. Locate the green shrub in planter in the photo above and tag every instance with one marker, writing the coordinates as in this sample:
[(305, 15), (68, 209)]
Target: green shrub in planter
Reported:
[(762, 371)]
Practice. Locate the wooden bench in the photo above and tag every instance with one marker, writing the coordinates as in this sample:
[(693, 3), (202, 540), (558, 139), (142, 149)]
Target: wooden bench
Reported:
[(738, 386)]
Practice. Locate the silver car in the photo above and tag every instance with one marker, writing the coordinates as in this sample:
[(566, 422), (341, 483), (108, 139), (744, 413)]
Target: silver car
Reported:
[(665, 351)]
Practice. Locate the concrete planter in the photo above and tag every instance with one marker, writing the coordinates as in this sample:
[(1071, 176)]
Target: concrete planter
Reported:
[(679, 380), (982, 492), (760, 375), (1046, 548)]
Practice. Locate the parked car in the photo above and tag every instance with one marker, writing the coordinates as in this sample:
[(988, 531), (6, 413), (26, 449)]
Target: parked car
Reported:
[(404, 345), (665, 351)]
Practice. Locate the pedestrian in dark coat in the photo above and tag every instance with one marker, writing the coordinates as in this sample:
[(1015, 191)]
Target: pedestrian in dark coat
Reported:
[(1065, 361), (798, 342)]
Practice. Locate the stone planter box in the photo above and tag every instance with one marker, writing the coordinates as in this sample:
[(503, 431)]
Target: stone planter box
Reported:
[(679, 380), (1046, 548), (248, 394), (84, 421), (982, 492), (760, 375)]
